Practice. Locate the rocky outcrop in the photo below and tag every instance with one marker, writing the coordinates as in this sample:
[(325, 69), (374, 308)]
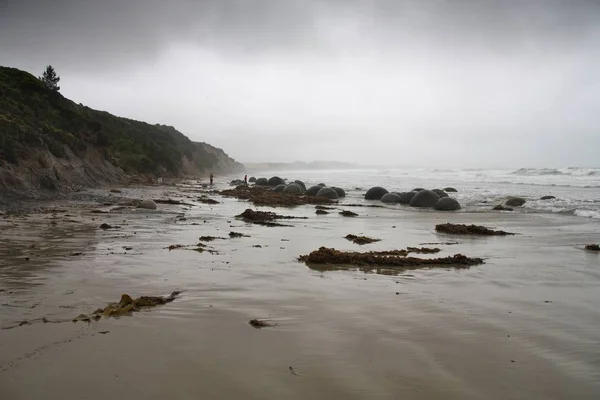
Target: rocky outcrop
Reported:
[(547, 197), (515, 201)]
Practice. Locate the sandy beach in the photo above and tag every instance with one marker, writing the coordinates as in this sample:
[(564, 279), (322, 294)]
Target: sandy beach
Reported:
[(523, 325)]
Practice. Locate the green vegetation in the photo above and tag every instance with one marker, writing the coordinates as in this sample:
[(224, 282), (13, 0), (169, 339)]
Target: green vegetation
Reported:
[(50, 79), (32, 116)]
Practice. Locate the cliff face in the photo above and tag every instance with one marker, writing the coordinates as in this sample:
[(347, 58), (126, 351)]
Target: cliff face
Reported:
[(49, 142)]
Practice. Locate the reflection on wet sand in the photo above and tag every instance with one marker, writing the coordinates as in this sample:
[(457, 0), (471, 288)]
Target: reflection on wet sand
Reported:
[(522, 325)]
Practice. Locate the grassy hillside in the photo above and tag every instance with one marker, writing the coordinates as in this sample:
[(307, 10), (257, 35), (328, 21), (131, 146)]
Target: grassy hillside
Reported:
[(33, 117)]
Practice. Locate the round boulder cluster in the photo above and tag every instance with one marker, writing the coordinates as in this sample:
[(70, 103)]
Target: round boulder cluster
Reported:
[(313, 190), (390, 198), (447, 204), (340, 192), (406, 197), (375, 193), (327, 192), (262, 182), (424, 198), (275, 180), (279, 188), (302, 185), (293, 188)]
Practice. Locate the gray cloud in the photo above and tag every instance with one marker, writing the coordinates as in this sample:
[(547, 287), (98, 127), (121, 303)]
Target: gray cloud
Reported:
[(397, 82)]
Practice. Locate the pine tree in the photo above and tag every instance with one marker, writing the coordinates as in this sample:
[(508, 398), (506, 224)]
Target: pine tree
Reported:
[(50, 79)]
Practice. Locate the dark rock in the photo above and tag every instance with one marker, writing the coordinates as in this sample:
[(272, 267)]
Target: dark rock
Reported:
[(592, 247), (293, 188), (327, 192), (262, 182), (417, 190), (461, 229), (115, 191), (321, 212), (447, 204), (252, 179), (450, 190), (407, 197), (375, 193), (440, 193), (390, 198), (313, 190), (47, 182), (237, 182), (275, 180), (340, 192), (547, 197), (515, 202), (302, 185), (279, 188), (424, 198), (322, 184), (347, 213), (500, 207)]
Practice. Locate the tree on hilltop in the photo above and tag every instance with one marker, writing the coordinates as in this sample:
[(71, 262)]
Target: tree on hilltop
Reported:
[(50, 79)]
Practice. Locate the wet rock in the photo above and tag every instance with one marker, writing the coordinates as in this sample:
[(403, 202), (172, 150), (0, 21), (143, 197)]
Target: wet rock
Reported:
[(390, 198), (237, 182), (450, 190), (460, 229), (279, 188), (147, 204), (547, 197), (259, 323), (327, 192), (440, 193), (252, 179), (447, 204), (340, 192), (237, 235), (417, 190), (361, 239), (515, 201), (324, 208), (313, 190), (207, 200), (262, 182), (500, 207), (115, 191), (407, 197), (391, 258), (275, 180), (424, 198), (293, 188), (592, 247), (321, 212), (262, 196), (175, 246), (302, 185), (347, 213), (375, 193), (106, 226), (321, 184), (208, 238), (264, 217)]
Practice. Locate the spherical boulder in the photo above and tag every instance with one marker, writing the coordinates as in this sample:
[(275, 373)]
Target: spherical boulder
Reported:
[(279, 188), (375, 193), (322, 184), (418, 190), (328, 192), (447, 204), (252, 179), (440, 193), (302, 185), (515, 201), (424, 198), (236, 182), (313, 190), (147, 204), (293, 188), (547, 197), (340, 192), (275, 180), (406, 197), (390, 198), (450, 190), (262, 182)]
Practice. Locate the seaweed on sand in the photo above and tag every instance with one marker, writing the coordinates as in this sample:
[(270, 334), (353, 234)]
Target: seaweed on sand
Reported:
[(263, 196), (460, 229), (361, 239), (126, 306), (592, 247), (347, 213), (265, 218), (390, 259)]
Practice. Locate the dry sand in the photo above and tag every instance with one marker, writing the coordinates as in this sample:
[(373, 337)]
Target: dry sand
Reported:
[(524, 325)]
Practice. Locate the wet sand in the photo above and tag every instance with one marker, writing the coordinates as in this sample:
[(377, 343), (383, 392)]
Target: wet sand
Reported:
[(523, 325)]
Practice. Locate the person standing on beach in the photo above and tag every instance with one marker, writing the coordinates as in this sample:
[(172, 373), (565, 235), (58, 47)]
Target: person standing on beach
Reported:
[(246, 180), (211, 178)]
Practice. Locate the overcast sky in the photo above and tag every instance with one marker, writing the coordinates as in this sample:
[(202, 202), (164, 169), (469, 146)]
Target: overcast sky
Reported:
[(474, 83)]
